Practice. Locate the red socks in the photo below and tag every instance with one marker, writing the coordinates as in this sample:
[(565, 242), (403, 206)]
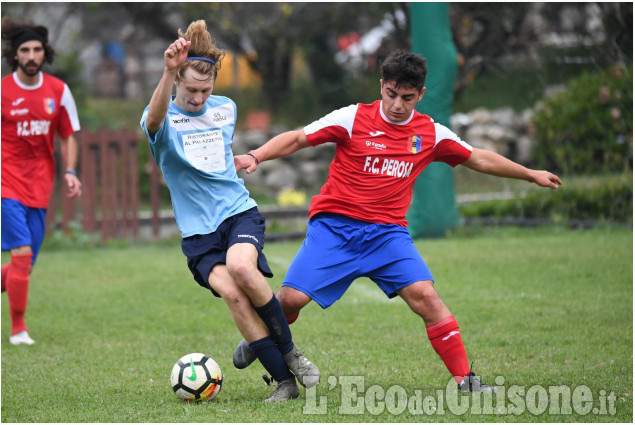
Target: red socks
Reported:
[(292, 317), (15, 279), (5, 269), (446, 340)]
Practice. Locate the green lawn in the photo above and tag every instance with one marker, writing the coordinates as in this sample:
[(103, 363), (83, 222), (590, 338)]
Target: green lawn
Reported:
[(541, 311)]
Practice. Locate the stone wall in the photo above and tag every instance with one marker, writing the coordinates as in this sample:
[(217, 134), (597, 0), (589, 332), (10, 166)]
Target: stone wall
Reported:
[(305, 170), (501, 130)]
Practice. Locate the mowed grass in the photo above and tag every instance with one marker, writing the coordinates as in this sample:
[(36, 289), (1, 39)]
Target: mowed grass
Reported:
[(537, 308)]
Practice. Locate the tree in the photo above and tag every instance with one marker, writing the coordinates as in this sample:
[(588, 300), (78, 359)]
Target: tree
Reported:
[(495, 37), (270, 34)]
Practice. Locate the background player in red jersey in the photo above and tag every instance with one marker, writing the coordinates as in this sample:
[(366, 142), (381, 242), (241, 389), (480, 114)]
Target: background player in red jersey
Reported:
[(357, 224), (35, 106)]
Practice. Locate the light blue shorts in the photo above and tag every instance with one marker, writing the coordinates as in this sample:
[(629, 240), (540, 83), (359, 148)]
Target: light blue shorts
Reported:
[(338, 249), (22, 225)]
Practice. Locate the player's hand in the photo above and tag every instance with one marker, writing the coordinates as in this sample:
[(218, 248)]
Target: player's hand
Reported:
[(546, 179), (245, 162), (176, 54), (73, 186)]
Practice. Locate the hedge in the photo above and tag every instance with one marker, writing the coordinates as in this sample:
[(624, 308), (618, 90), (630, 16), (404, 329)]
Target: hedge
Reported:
[(608, 199), (588, 127)]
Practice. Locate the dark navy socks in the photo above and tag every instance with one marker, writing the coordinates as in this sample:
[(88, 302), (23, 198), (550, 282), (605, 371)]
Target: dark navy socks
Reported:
[(273, 316), (269, 355)]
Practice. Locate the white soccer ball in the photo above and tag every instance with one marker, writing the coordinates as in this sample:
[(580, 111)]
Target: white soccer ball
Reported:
[(196, 377)]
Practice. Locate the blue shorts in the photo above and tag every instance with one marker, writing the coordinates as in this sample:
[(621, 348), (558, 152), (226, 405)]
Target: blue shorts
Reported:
[(22, 225), (203, 252), (338, 249)]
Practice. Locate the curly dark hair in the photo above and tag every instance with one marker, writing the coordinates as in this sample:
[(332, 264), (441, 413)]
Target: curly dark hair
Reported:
[(13, 30), (405, 69)]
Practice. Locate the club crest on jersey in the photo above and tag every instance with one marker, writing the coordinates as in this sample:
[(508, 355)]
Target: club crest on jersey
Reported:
[(49, 105), (414, 144)]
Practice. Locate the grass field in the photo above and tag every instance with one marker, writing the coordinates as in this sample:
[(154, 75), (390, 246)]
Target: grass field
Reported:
[(538, 308)]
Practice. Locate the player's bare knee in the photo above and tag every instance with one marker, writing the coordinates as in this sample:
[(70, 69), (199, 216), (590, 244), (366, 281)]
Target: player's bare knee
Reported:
[(422, 298), (226, 291), (291, 300), (242, 271), (22, 250), (233, 297)]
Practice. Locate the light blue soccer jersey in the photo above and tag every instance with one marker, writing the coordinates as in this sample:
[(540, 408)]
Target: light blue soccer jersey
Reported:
[(194, 154)]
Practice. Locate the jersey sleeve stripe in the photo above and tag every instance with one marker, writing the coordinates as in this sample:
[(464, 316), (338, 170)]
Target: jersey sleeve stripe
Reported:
[(444, 133), (68, 103), (344, 117)]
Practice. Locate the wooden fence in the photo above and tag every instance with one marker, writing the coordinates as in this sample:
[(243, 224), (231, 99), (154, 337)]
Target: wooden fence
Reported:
[(111, 203), (109, 170)]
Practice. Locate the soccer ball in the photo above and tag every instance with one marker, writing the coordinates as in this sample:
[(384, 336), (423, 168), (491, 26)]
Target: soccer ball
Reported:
[(196, 377)]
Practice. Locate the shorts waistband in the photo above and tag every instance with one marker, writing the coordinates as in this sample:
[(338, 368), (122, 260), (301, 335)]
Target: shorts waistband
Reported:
[(342, 218)]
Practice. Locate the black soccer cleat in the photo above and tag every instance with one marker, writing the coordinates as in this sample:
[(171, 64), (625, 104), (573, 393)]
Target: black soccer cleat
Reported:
[(472, 384)]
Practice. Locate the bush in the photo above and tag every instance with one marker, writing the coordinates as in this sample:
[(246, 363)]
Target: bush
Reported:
[(608, 199), (588, 128)]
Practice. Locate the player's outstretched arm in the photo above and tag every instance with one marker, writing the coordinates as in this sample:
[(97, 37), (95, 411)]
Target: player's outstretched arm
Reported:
[(489, 162), (281, 145)]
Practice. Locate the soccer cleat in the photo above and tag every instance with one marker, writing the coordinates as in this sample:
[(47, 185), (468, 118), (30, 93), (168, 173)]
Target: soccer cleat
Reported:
[(285, 390), (243, 355), (21, 338), (307, 373), (472, 384)]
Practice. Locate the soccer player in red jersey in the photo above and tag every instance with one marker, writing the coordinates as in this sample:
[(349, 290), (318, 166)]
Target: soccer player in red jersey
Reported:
[(357, 224), (35, 106)]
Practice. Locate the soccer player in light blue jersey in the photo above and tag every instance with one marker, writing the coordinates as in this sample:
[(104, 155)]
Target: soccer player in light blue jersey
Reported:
[(190, 136)]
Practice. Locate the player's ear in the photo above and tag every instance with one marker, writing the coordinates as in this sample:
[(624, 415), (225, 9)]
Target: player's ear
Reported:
[(423, 90)]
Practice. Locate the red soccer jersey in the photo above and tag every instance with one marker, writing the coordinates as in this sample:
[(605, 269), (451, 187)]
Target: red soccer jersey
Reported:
[(31, 115), (377, 161)]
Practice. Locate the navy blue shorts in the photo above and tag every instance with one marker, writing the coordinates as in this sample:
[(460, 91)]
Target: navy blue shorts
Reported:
[(203, 252), (21, 226), (338, 249)]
